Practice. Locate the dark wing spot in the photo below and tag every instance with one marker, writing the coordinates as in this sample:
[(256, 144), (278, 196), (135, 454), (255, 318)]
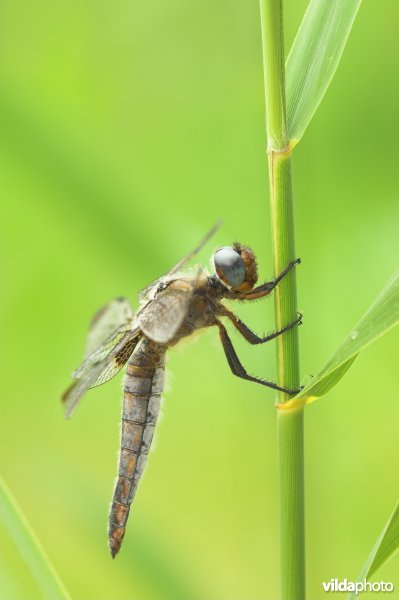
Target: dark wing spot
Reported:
[(124, 353)]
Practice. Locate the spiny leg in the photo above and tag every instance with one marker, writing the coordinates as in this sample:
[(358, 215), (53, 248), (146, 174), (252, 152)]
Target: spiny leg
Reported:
[(237, 368), (265, 288), (250, 336)]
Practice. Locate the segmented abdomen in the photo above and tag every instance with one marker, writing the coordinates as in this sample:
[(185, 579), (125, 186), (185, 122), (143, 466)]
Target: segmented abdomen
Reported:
[(144, 382)]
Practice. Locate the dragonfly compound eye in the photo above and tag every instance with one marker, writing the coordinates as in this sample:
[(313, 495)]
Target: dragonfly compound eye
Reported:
[(229, 266), (236, 266)]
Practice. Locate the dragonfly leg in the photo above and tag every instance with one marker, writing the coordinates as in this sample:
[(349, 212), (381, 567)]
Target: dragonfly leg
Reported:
[(236, 366), (250, 336), (265, 288)]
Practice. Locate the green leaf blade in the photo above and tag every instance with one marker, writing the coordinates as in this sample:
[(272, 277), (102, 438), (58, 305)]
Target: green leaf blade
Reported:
[(382, 316), (314, 58), (386, 545), (31, 550)]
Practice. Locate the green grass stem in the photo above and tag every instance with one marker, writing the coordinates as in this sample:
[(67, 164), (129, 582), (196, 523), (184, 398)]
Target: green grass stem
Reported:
[(283, 252), (289, 422), (291, 486), (271, 13)]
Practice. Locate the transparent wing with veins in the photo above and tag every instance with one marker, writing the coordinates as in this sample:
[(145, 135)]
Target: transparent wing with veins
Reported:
[(115, 330), (108, 320), (161, 318), (112, 337), (148, 292)]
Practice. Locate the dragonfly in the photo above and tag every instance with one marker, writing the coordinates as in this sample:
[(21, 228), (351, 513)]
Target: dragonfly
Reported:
[(172, 307)]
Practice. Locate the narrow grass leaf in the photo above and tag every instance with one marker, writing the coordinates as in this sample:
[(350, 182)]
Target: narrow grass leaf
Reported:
[(29, 547), (382, 315), (314, 58), (386, 544)]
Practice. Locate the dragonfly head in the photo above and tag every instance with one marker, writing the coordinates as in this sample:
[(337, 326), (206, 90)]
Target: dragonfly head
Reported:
[(236, 267)]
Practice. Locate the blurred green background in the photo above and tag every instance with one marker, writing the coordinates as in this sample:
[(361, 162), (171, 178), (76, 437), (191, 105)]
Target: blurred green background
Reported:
[(128, 128)]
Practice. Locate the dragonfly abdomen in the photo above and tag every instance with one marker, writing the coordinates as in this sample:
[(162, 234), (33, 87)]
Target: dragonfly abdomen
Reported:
[(144, 383)]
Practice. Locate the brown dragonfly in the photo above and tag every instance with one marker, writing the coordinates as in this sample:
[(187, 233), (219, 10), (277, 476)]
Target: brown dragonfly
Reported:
[(171, 308)]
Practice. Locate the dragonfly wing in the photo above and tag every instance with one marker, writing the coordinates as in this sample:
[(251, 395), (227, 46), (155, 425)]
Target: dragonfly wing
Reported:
[(146, 292), (101, 366), (161, 318), (106, 321)]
